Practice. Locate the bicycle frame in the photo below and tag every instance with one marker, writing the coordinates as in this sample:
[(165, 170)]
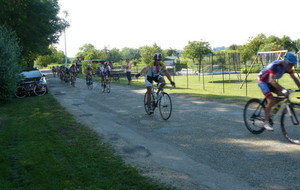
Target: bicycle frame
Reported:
[(285, 104)]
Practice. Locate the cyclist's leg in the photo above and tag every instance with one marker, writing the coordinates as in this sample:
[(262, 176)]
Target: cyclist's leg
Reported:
[(149, 84), (267, 90), (162, 81)]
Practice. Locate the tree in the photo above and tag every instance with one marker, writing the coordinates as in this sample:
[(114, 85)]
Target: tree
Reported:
[(114, 55), (147, 53), (54, 56), (36, 25), (88, 51), (130, 53), (196, 50), (9, 59), (289, 44), (249, 50)]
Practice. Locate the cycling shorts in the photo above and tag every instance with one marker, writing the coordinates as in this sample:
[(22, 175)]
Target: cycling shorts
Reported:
[(106, 73), (149, 80), (266, 88)]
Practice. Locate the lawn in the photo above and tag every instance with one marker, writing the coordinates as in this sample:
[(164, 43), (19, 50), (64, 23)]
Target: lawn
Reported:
[(43, 147), (215, 88)]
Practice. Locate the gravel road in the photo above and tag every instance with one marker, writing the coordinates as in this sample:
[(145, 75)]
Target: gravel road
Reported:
[(204, 145)]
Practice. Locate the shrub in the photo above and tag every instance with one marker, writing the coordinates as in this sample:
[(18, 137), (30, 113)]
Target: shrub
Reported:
[(9, 58)]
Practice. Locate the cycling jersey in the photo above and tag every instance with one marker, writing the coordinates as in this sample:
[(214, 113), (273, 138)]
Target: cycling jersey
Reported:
[(155, 71), (73, 69), (105, 70), (89, 71), (278, 69)]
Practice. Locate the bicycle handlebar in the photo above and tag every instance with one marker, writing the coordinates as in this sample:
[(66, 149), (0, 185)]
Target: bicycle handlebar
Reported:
[(290, 91), (159, 84)]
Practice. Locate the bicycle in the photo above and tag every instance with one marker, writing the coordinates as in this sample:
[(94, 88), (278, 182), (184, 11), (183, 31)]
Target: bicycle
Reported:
[(106, 84), (26, 88), (89, 81), (162, 101), (72, 79), (254, 114)]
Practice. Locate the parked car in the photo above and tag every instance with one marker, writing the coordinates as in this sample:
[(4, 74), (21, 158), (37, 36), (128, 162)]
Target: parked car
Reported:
[(186, 71), (34, 75)]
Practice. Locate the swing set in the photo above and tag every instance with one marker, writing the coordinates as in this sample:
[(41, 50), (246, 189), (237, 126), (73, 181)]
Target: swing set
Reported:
[(265, 58)]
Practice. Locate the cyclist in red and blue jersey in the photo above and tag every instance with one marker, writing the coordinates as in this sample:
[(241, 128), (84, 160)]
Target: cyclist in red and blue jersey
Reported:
[(268, 84)]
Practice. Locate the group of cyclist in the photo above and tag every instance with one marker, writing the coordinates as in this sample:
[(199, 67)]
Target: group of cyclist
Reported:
[(267, 79), (104, 71), (66, 74)]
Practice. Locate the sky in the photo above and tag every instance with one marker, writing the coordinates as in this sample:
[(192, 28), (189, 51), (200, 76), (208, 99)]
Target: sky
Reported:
[(173, 23)]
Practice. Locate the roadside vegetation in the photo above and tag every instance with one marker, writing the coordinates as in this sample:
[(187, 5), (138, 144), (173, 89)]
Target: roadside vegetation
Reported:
[(43, 147)]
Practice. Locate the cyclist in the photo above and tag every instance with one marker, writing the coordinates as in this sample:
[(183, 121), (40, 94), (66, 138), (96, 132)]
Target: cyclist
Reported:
[(54, 71), (105, 71), (74, 70), (154, 71), (89, 72), (268, 84)]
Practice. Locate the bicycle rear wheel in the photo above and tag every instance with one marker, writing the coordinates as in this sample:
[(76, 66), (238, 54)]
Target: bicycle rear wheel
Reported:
[(20, 92), (108, 88), (165, 106), (147, 108), (290, 125), (39, 90), (254, 114)]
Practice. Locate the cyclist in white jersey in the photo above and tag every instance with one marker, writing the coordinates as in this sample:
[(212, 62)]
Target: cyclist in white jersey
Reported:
[(154, 73)]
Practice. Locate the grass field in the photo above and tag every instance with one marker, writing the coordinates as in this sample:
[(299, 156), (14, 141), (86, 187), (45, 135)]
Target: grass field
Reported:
[(214, 88), (43, 147)]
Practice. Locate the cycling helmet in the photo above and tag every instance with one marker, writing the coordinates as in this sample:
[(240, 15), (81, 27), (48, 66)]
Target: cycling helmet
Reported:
[(290, 58), (157, 56)]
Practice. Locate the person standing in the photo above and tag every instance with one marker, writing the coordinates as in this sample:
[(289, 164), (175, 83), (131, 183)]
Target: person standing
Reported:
[(128, 68)]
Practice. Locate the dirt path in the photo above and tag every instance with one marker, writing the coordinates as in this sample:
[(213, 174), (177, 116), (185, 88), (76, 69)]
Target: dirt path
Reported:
[(204, 145)]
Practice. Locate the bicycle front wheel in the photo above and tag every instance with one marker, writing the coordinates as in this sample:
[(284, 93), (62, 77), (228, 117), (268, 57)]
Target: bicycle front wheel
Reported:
[(165, 106), (290, 125), (20, 92), (39, 90), (146, 105), (254, 115)]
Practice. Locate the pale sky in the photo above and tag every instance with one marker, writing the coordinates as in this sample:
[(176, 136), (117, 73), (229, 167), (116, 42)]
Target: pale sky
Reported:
[(173, 23)]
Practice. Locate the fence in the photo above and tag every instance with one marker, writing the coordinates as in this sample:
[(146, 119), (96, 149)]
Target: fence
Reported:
[(217, 74)]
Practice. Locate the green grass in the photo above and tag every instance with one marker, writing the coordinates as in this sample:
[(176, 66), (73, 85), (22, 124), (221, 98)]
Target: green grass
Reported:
[(43, 147), (214, 88)]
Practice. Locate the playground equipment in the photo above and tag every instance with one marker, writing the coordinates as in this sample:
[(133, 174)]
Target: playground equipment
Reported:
[(265, 57)]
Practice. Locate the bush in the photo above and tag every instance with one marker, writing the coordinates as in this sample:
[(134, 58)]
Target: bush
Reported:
[(9, 58), (254, 69)]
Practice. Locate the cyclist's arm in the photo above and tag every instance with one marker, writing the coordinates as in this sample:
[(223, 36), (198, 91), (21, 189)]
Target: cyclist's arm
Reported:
[(168, 76), (145, 69), (296, 80), (273, 82)]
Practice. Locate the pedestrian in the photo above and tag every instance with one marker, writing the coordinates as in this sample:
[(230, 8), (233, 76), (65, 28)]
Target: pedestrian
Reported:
[(128, 68)]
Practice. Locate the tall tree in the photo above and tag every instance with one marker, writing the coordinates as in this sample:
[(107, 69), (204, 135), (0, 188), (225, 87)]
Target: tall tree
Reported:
[(196, 50), (36, 24), (251, 48), (147, 53), (54, 56), (114, 55), (130, 53), (9, 58)]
